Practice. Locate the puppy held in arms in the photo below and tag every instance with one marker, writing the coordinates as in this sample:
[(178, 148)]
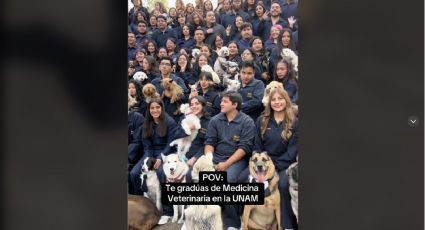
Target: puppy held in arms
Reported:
[(152, 181), (203, 217), (267, 216), (190, 124), (175, 171)]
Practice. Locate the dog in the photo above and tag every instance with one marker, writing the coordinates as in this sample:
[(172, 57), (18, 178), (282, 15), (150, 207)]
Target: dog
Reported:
[(195, 53), (171, 90), (232, 84), (140, 76), (203, 217), (131, 101), (152, 181), (271, 86), (184, 143), (149, 92), (222, 54), (175, 171), (292, 57), (267, 216), (292, 173), (142, 213), (209, 69), (194, 87)]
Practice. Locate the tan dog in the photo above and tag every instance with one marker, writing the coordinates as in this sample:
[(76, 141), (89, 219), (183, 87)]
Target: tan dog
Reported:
[(142, 213), (149, 92), (171, 90), (271, 86), (267, 216)]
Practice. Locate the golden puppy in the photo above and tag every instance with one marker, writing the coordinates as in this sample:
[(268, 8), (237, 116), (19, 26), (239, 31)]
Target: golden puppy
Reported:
[(149, 92), (142, 213), (271, 86), (171, 90), (267, 216)]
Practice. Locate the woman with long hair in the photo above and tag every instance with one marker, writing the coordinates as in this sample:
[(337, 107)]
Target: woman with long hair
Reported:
[(277, 134), (186, 41), (152, 49), (261, 58), (149, 66), (259, 19), (283, 41), (206, 88), (195, 21), (135, 91), (200, 61), (285, 74), (184, 71), (234, 52)]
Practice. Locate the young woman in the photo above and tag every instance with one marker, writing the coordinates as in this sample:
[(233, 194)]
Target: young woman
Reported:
[(162, 52), (171, 46), (261, 58), (218, 43), (207, 6), (200, 61), (183, 70), (234, 33), (206, 89), (135, 91), (249, 7), (189, 9), (234, 52), (152, 49), (160, 7), (187, 40), (284, 41), (212, 56), (181, 20), (180, 6), (227, 9), (150, 68), (274, 36), (195, 21), (286, 75), (172, 21), (249, 55), (258, 19)]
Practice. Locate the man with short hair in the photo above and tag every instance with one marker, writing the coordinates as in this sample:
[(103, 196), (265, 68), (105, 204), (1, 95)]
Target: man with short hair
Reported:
[(252, 91), (142, 38), (230, 17), (212, 29), (246, 33), (161, 35), (131, 46), (165, 67), (274, 19), (230, 137), (199, 38)]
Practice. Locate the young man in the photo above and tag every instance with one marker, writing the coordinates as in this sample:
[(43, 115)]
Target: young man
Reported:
[(161, 35), (246, 33), (252, 91), (165, 66), (212, 28), (131, 46), (199, 38), (274, 19), (230, 137), (142, 38)]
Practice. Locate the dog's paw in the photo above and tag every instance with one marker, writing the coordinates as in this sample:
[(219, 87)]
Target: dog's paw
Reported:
[(174, 220)]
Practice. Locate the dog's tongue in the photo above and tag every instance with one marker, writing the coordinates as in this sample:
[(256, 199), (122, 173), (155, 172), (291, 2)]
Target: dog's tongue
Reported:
[(260, 177)]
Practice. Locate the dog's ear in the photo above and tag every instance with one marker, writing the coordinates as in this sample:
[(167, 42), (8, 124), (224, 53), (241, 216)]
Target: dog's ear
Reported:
[(163, 158)]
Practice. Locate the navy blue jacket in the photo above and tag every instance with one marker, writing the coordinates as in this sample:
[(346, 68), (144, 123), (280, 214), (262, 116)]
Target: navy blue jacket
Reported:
[(155, 145), (188, 77), (188, 44), (131, 52), (252, 95), (283, 153), (289, 10), (172, 109), (157, 83), (243, 45), (258, 27), (197, 148), (135, 146), (161, 37), (227, 137), (213, 101), (268, 24), (142, 40), (217, 30)]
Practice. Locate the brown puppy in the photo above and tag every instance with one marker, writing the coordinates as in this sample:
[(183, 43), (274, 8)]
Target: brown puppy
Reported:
[(267, 216), (142, 213), (149, 92), (171, 90)]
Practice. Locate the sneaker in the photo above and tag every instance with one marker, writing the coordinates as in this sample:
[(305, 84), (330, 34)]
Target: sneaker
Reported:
[(164, 220)]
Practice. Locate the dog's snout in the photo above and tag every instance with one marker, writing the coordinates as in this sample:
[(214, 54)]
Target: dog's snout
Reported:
[(171, 169)]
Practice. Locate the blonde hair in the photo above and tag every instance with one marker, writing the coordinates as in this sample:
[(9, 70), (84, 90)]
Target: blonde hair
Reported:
[(289, 117)]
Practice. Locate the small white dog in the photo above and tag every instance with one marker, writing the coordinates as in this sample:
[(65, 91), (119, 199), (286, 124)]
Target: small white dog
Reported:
[(140, 76), (290, 55), (208, 68), (184, 143), (232, 84), (203, 217), (152, 181), (175, 171), (221, 59)]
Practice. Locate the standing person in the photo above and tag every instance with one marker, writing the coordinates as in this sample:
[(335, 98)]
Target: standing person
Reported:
[(277, 134), (163, 32), (186, 41), (206, 89), (165, 69), (212, 29), (259, 19), (252, 91), (180, 6), (189, 9), (274, 19), (229, 138), (137, 6), (157, 134), (195, 21)]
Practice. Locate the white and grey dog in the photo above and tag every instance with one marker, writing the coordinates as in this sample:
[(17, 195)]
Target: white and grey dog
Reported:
[(175, 171), (291, 56), (184, 143), (232, 84), (221, 59), (203, 217), (292, 173), (152, 181)]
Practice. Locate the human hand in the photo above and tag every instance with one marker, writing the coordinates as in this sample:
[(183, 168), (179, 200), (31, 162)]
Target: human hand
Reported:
[(222, 166), (157, 163), (291, 21), (191, 161), (228, 29)]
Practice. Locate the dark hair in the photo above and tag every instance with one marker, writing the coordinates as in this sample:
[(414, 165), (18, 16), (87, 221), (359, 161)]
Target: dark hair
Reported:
[(203, 102), (234, 97), (196, 68), (166, 58), (247, 64), (236, 43), (259, 4), (279, 40), (138, 86), (252, 42), (214, 39), (148, 125), (156, 48), (187, 65), (152, 64), (246, 25), (143, 22), (161, 16), (290, 76)]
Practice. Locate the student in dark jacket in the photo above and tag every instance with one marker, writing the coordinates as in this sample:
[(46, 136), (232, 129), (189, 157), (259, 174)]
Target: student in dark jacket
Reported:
[(135, 91), (165, 69), (283, 41), (277, 134), (196, 150), (234, 52), (186, 41), (249, 55), (233, 32), (274, 19), (246, 36), (206, 89), (184, 71), (285, 74), (163, 32), (150, 68), (261, 58), (290, 9), (158, 130), (212, 56), (273, 40), (181, 19), (131, 46), (252, 91), (249, 7), (142, 37), (259, 19), (135, 145), (212, 28)]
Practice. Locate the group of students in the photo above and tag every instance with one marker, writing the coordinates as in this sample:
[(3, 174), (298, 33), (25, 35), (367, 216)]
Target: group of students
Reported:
[(233, 123)]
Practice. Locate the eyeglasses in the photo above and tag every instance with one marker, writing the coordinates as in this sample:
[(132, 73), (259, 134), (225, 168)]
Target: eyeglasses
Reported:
[(165, 64)]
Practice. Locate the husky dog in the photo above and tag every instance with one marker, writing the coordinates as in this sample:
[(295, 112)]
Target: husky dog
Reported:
[(152, 181), (183, 144), (175, 171), (203, 217)]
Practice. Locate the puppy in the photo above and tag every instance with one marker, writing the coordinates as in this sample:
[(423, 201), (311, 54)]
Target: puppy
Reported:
[(205, 217), (208, 68), (267, 216), (140, 76), (271, 86), (183, 144), (218, 65), (131, 101), (171, 90), (142, 213), (194, 87), (292, 173), (291, 56), (149, 92), (232, 84), (175, 171), (152, 181)]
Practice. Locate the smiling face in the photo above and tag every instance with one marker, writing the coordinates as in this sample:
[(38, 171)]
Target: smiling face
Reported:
[(145, 65), (257, 45), (233, 49), (155, 110), (227, 106), (239, 21), (275, 10), (132, 89), (205, 50), (202, 61), (151, 47), (196, 107), (218, 42), (182, 61), (274, 32), (170, 45), (277, 101), (286, 39)]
